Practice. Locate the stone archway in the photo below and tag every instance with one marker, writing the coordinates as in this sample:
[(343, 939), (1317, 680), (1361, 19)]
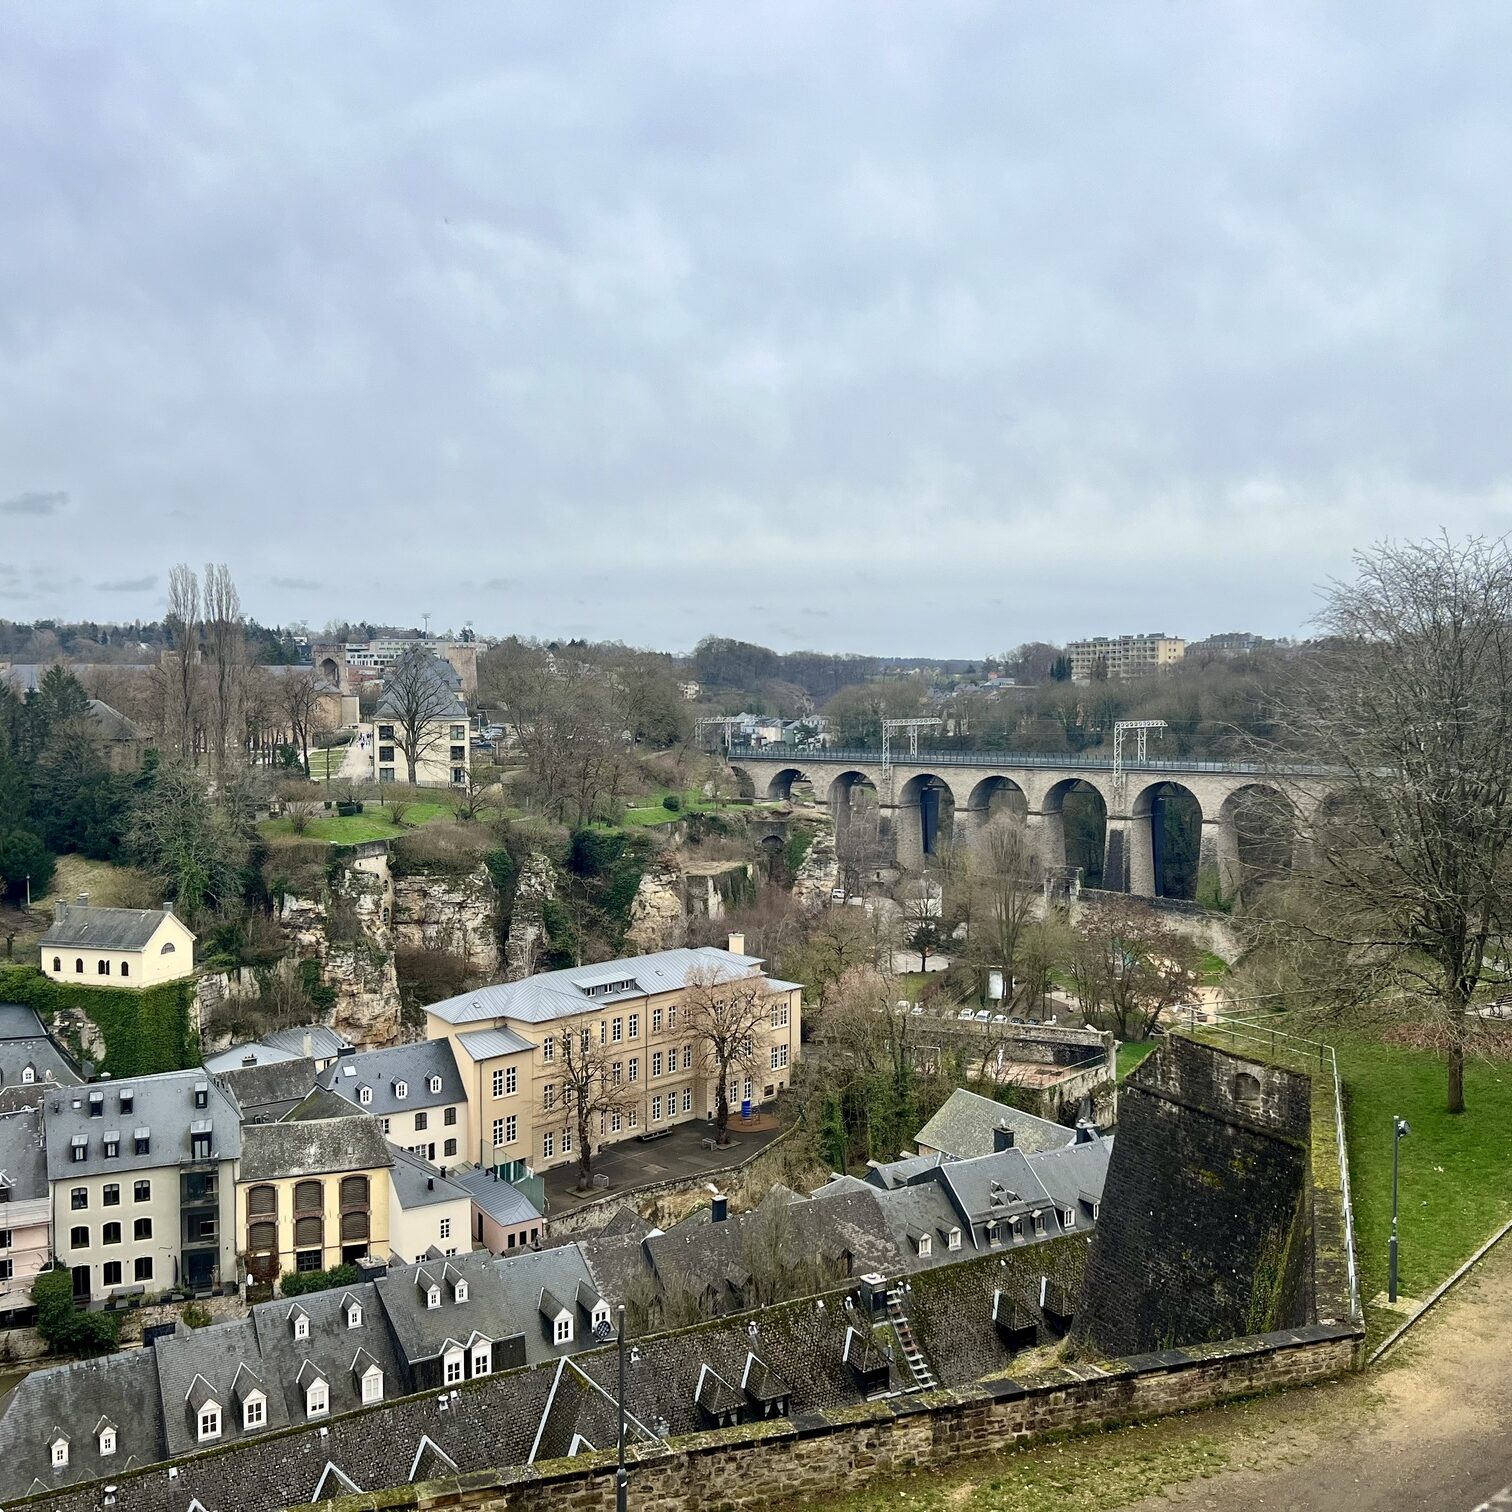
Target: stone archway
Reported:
[(1165, 841), (1253, 844), (1074, 822), (925, 819), (991, 797), (780, 787)]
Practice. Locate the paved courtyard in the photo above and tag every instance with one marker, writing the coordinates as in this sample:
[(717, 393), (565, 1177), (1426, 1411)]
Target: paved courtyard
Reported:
[(679, 1154)]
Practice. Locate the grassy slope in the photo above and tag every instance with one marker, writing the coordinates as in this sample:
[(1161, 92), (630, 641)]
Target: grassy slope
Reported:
[(1131, 1053), (371, 824)]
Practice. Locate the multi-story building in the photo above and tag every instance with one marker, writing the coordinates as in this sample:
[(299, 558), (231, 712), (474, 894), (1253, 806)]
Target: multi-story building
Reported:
[(142, 1176), (428, 1212), (443, 753), (507, 1041), (414, 1091), (25, 1212), (116, 947), (312, 1193), (1123, 655)]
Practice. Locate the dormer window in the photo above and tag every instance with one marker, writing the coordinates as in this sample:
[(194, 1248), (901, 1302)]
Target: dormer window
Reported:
[(79, 1147), (562, 1332), (459, 1292), (434, 1084), (354, 1316), (953, 1239), (209, 1422), (401, 1090), (364, 1095), (107, 1442), (59, 1448), (128, 1099), (1068, 1217), (372, 1385), (255, 1411), (433, 1297), (925, 1246), (201, 1094), (1039, 1223), (142, 1140), (28, 1075), (96, 1104), (112, 1145), (600, 1318), (453, 1362), (482, 1359), (317, 1399), (301, 1325)]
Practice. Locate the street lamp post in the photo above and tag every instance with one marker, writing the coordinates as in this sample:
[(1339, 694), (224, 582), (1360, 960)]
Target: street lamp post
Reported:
[(621, 1475), (1399, 1127)]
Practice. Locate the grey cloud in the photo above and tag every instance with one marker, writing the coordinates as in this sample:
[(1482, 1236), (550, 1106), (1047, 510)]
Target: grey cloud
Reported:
[(129, 585), (1082, 318), (33, 502)]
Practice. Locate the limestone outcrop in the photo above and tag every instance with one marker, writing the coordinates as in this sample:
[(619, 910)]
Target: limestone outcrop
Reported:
[(656, 911), (819, 873), (455, 914), (527, 925)]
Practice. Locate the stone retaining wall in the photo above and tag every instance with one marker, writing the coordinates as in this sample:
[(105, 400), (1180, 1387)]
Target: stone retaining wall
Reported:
[(825, 1454)]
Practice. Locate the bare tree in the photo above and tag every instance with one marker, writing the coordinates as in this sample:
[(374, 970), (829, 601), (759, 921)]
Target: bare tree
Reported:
[(478, 792), (1408, 705), (301, 697), (592, 1086), (729, 1020), (1130, 967), (419, 700), (226, 651), (1004, 874), (182, 621)]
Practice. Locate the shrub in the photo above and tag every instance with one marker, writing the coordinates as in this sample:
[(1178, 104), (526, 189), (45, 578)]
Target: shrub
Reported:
[(297, 1283), (197, 1316), (62, 1327), (672, 803)]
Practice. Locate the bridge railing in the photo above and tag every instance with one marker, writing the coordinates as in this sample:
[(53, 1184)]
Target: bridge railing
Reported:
[(807, 755)]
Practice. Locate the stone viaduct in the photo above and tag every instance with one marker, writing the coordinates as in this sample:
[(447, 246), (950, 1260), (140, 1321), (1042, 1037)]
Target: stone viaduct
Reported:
[(925, 798)]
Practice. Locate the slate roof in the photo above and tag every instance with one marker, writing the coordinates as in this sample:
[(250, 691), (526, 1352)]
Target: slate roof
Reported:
[(443, 674), (559, 994), (418, 1184), (111, 724), (381, 1070), (272, 1151), (121, 1387), (18, 1022), (317, 1104), (196, 1364), (266, 1092), (23, 1161), (964, 1123), (331, 1348), (50, 1065), (163, 1105), (498, 1199), (75, 924), (318, 1041)]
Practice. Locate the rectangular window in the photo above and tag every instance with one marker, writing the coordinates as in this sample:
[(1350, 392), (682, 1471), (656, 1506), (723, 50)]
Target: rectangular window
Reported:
[(78, 1198), (566, 1141), (511, 1129), (618, 1073), (110, 1234), (634, 1117), (498, 1084), (782, 1055), (616, 1122), (655, 1109), (5, 1239), (548, 1048), (446, 1228), (511, 1081), (635, 1026), (459, 732), (672, 1015), (687, 1057), (110, 1273), (548, 1096), (78, 1238), (617, 1030), (141, 1191), (449, 1148), (142, 1229), (143, 1268), (449, 1118), (453, 1369), (422, 1121), (656, 1020), (498, 1131), (635, 1068), (773, 1055), (385, 1123), (111, 1196), (548, 1146), (656, 1063)]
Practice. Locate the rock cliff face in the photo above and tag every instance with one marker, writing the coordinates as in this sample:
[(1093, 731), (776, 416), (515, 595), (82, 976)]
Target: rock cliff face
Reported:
[(451, 914), (819, 873), (527, 927), (656, 911)]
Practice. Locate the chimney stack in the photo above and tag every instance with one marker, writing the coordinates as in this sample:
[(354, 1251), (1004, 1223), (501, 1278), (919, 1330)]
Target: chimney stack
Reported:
[(308, 1044), (168, 906), (83, 900), (721, 1208), (1002, 1138), (737, 943), (1085, 1132), (60, 911)]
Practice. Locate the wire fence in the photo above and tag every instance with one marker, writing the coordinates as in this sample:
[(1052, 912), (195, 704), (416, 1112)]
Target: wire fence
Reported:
[(1249, 1031)]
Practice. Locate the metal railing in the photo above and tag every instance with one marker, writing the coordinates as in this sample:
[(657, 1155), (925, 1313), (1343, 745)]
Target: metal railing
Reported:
[(1251, 1030), (829, 755)]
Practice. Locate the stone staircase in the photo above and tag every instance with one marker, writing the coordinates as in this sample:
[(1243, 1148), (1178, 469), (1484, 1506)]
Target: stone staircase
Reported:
[(913, 1356)]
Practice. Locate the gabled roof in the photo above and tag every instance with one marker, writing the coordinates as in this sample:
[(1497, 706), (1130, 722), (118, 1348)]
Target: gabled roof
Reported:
[(380, 1071), (561, 994), (963, 1127), (77, 924), (418, 1184), (715, 1394), (312, 1148)]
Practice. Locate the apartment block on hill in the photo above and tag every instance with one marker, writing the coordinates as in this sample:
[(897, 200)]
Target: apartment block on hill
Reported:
[(1123, 655)]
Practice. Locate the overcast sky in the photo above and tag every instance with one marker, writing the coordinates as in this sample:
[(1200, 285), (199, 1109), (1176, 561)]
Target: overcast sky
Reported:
[(887, 327)]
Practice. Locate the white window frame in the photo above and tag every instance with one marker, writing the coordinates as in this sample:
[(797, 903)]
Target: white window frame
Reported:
[(482, 1359), (372, 1385), (432, 1298), (401, 1090), (446, 1228), (107, 1442), (354, 1315), (208, 1424), (59, 1453), (498, 1082), (453, 1366), (561, 1329), (435, 1084), (254, 1411), (317, 1400), (301, 1327)]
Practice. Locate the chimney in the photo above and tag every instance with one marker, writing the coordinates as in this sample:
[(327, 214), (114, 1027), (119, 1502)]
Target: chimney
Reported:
[(168, 906), (308, 1043), (60, 911), (737, 944), (721, 1208), (430, 1183), (1085, 1132), (1002, 1138), (83, 900), (249, 1059)]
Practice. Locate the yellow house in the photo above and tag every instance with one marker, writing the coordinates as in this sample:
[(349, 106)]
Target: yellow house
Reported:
[(116, 947), (312, 1194)]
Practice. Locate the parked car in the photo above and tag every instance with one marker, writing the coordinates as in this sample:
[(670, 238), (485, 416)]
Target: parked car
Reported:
[(965, 1013)]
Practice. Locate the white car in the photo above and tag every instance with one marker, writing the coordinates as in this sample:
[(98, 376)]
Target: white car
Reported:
[(982, 1015), (965, 1013)]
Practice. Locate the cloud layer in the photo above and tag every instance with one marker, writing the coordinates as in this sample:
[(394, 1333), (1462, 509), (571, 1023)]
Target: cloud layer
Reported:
[(895, 327)]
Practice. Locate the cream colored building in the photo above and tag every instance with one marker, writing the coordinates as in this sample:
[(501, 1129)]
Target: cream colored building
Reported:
[(506, 1039), (312, 1194), (1123, 655), (116, 947), (426, 1211)]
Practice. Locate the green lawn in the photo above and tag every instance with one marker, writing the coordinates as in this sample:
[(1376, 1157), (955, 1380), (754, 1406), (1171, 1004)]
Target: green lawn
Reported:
[(326, 762), (1454, 1188), (1130, 1053), (648, 811), (371, 824), (1213, 968)]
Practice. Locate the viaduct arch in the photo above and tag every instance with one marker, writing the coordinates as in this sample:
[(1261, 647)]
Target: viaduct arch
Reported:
[(936, 798)]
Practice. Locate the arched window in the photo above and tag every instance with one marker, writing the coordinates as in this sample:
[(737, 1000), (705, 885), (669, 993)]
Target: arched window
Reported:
[(57, 963), (262, 1201), (102, 968), (308, 1197), (308, 1233), (79, 963), (167, 949), (1247, 1092), (125, 968), (354, 1191)]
